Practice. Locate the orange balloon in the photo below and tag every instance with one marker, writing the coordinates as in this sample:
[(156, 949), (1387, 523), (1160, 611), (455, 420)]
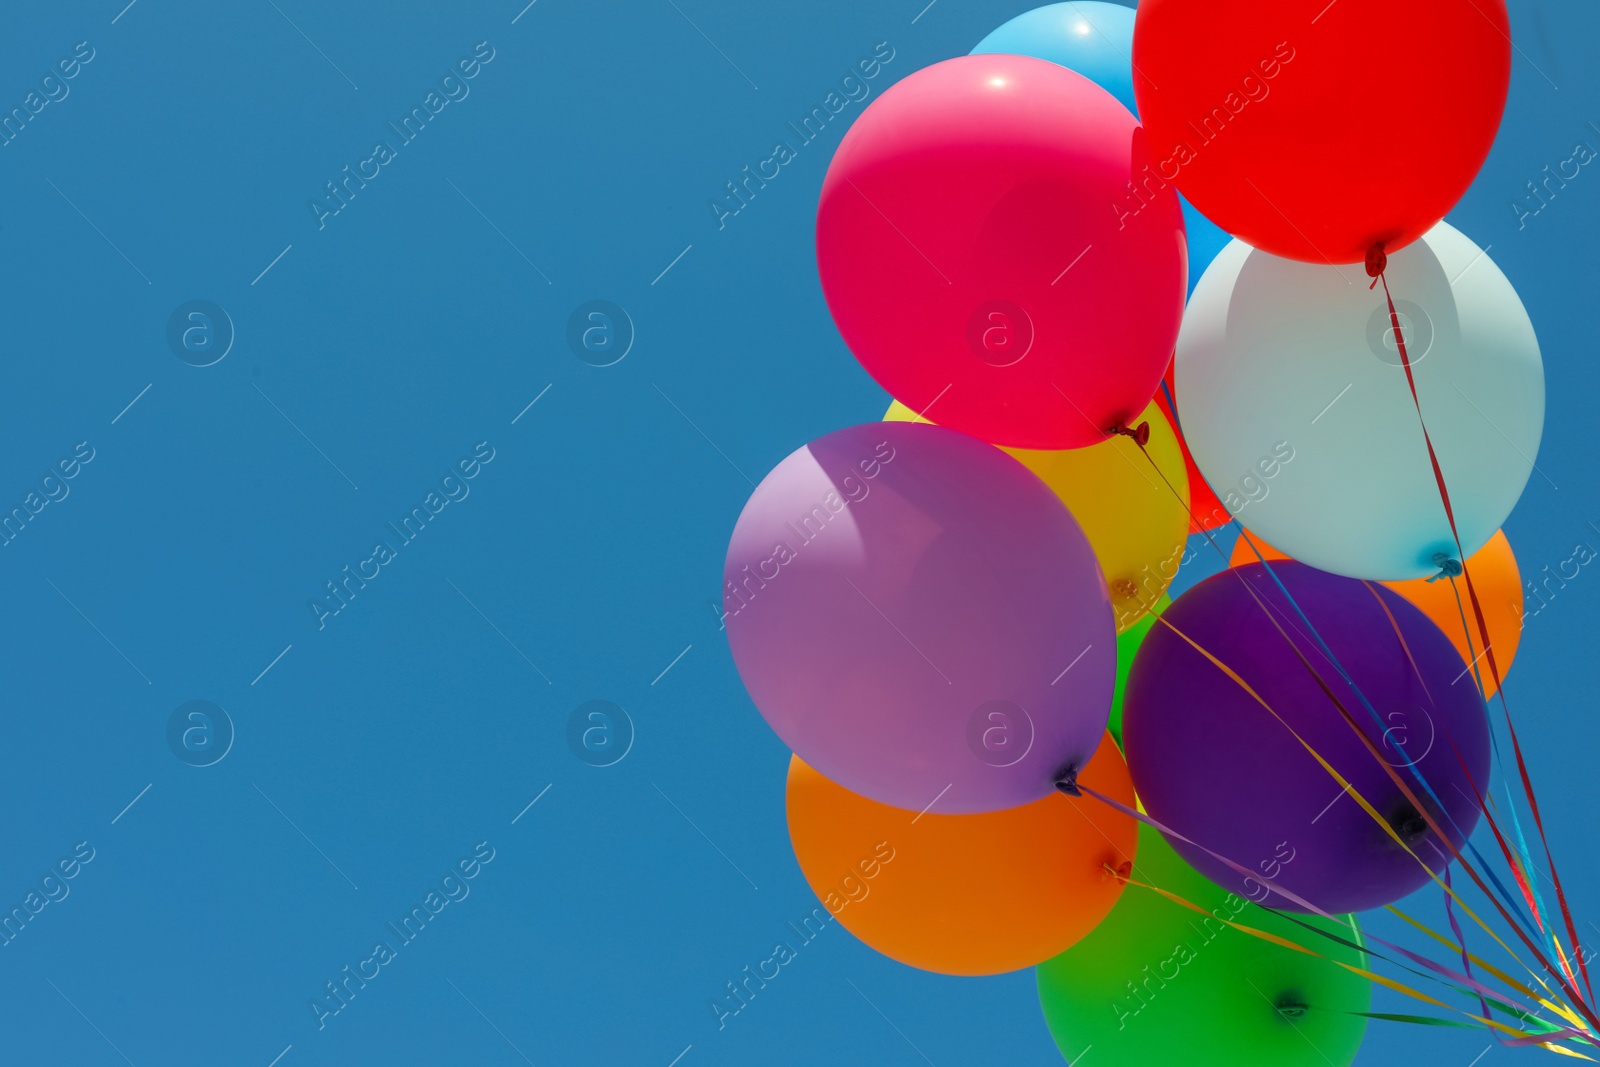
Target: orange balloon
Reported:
[(1242, 553), (1499, 584), (965, 894)]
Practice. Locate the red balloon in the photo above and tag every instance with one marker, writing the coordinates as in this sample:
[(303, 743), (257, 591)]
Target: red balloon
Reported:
[(974, 261), (1313, 129), (1205, 510)]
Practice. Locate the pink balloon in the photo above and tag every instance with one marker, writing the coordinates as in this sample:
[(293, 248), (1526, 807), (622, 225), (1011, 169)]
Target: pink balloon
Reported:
[(993, 237), (920, 619)]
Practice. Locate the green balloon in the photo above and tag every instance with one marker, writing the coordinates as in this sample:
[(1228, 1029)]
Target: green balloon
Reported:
[(1156, 983), (1128, 642)]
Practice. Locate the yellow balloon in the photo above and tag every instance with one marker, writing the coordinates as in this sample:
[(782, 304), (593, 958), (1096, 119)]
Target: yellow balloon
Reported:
[(1136, 524)]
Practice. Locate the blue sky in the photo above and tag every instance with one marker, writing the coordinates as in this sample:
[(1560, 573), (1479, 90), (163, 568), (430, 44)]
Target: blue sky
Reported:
[(376, 350)]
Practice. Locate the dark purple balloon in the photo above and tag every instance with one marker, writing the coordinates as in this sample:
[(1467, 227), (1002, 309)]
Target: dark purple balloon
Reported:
[(1211, 763)]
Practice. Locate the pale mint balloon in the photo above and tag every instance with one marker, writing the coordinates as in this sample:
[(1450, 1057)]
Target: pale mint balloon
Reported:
[(1295, 404)]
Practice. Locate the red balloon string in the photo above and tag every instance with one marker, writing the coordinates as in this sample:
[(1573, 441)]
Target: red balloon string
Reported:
[(1345, 713), (1569, 985), (1349, 718), (1376, 263), (1488, 815), (1519, 861)]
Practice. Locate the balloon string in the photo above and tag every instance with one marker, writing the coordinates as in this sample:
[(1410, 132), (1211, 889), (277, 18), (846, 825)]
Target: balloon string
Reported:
[(1486, 996), (1472, 647), (1405, 646), (1505, 850), (1530, 887), (1315, 635), (1172, 405), (1482, 806), (1547, 1034), (1455, 927), (1402, 785), (1524, 868), (1167, 831), (1075, 788), (1555, 1006), (1376, 718), (1461, 940), (1328, 654), (1569, 986), (1377, 263), (1364, 803), (1349, 719), (1539, 955), (1518, 1037), (1468, 867), (1421, 809)]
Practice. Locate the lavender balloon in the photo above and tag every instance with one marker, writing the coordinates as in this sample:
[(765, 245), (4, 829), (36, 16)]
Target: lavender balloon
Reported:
[(920, 619), (1211, 763)]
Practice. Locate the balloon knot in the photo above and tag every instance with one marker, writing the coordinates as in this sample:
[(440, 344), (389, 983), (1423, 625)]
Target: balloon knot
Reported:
[(1068, 782), (1290, 1006), (1409, 824), (1120, 871), (1139, 433), (1448, 567), (1377, 260)]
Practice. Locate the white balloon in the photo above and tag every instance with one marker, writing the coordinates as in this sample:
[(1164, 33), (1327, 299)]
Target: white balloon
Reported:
[(1294, 402)]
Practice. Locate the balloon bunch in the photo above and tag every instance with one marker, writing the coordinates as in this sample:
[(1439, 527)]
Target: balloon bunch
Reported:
[(942, 613)]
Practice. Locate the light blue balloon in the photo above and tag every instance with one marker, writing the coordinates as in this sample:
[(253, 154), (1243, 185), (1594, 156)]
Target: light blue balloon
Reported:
[(1206, 241), (1096, 40), (1093, 38)]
